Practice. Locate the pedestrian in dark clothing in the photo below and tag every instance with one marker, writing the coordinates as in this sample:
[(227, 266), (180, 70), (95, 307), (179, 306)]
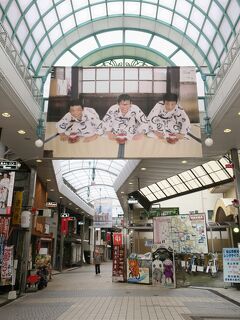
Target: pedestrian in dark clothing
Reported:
[(97, 262)]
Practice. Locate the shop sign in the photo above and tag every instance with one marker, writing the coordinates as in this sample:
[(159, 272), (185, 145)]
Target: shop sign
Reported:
[(17, 207), (51, 204), (117, 239), (9, 165)]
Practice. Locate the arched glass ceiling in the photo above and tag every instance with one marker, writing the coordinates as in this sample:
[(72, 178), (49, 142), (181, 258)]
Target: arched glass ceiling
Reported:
[(44, 30), (93, 179)]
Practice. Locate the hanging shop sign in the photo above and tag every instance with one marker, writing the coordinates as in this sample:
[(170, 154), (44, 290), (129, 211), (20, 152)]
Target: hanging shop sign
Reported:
[(9, 165), (51, 204), (117, 239)]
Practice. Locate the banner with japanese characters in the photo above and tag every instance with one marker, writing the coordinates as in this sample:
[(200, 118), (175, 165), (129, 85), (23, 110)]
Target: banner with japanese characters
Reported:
[(231, 265), (123, 112), (6, 191)]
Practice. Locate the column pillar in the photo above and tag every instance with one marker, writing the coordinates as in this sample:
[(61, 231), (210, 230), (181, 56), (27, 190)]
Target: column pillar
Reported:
[(27, 234)]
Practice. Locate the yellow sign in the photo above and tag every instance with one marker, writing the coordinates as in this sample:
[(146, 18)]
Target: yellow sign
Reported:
[(17, 207)]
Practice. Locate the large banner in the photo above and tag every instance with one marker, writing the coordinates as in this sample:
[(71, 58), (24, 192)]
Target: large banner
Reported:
[(102, 213), (183, 233), (110, 112)]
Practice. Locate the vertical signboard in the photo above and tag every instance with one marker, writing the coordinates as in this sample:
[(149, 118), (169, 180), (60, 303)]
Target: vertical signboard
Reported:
[(231, 265)]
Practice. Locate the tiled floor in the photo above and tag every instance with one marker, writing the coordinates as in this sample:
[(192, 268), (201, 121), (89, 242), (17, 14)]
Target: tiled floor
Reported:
[(79, 294)]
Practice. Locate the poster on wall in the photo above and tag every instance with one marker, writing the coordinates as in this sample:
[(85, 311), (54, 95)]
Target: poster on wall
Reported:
[(6, 191), (102, 213), (231, 265), (183, 233), (123, 112)]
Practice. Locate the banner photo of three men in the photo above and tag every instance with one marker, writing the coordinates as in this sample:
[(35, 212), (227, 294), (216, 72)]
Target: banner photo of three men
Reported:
[(123, 112)]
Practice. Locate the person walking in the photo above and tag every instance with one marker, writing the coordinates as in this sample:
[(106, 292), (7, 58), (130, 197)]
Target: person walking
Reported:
[(97, 262)]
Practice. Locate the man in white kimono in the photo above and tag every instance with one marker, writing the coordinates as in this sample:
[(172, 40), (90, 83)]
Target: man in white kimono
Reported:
[(168, 120), (78, 122), (4, 187), (124, 121)]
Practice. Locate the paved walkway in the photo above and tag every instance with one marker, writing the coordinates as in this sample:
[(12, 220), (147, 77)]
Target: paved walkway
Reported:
[(79, 294)]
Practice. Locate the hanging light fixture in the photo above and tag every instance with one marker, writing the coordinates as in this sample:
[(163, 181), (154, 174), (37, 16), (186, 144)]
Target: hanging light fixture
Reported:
[(39, 132), (208, 131)]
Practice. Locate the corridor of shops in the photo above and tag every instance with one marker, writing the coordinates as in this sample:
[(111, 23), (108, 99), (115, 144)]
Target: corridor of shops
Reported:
[(79, 294)]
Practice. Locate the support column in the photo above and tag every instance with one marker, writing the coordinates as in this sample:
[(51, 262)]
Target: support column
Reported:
[(27, 234), (82, 239), (236, 172)]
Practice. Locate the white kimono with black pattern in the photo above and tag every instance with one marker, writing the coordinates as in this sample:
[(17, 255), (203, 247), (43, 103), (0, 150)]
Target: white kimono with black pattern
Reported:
[(84, 127), (168, 122), (132, 123)]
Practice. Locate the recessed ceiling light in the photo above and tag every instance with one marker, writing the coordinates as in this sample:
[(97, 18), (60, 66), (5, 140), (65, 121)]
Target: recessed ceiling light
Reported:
[(184, 161), (48, 180), (6, 115), (122, 191), (143, 169), (239, 113), (38, 160), (227, 130), (60, 197), (21, 131), (130, 183), (51, 189)]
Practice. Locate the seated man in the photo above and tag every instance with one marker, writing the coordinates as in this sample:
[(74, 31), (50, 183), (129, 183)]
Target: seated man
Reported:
[(168, 120), (124, 121), (78, 122)]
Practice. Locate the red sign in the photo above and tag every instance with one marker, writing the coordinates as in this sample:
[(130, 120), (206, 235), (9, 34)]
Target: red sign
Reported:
[(229, 165), (64, 226), (117, 239)]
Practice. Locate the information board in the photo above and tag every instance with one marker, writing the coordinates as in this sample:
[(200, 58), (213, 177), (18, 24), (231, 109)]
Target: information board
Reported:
[(231, 265)]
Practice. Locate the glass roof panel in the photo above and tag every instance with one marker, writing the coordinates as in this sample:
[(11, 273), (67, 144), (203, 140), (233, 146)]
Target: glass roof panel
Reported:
[(67, 60), (137, 36), (131, 7), (67, 24), (50, 19), (165, 15), (168, 3), (64, 8), (83, 16), (183, 8), (98, 10), (215, 13), (32, 16), (82, 47), (115, 8), (148, 10), (108, 38), (162, 45), (179, 22)]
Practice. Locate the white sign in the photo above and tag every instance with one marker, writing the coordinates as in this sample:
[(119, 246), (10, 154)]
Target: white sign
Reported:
[(231, 265)]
